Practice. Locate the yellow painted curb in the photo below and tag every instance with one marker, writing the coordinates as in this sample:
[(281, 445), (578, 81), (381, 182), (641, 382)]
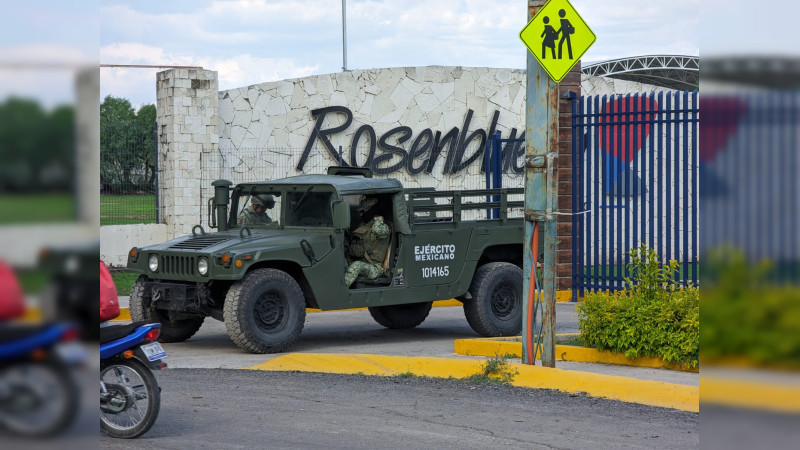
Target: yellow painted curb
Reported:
[(31, 315), (513, 346), (564, 296), (124, 314), (647, 392), (750, 394)]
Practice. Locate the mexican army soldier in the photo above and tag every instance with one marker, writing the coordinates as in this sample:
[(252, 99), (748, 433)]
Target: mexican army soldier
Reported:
[(369, 246), (257, 214)]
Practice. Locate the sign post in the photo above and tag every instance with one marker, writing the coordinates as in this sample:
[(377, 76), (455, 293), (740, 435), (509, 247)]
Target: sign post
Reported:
[(556, 37)]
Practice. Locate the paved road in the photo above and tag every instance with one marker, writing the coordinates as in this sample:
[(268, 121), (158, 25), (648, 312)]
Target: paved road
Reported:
[(212, 408)]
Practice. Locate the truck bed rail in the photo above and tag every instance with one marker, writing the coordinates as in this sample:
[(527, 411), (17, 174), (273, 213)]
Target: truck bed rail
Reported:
[(431, 206)]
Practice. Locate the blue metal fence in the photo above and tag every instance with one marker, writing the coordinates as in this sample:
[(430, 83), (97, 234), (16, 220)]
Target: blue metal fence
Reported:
[(635, 181)]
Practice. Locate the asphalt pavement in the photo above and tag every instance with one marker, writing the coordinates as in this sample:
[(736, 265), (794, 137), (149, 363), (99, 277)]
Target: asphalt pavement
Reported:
[(212, 408)]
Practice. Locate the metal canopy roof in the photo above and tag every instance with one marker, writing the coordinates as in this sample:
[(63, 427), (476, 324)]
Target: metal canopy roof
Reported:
[(670, 71), (778, 71)]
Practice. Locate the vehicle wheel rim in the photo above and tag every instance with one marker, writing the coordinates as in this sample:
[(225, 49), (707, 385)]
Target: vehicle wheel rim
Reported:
[(131, 414), (271, 312), (504, 301)]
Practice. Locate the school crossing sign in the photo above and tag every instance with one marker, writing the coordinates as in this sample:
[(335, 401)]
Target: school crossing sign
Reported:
[(557, 37)]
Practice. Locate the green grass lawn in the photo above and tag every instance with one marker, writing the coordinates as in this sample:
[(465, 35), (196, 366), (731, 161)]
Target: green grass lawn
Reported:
[(127, 209), (124, 281), (36, 208)]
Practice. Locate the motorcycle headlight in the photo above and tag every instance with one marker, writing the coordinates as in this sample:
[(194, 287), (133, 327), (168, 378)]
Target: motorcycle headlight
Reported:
[(202, 266), (153, 263)]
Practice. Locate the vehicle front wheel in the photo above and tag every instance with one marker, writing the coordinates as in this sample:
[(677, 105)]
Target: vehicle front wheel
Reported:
[(131, 401), (265, 311), (171, 330), (401, 316), (496, 305)]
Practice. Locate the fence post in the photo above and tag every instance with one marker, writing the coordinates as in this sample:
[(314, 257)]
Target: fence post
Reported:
[(497, 168)]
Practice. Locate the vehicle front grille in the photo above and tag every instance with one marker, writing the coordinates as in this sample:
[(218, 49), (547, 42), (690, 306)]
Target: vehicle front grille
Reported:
[(178, 265)]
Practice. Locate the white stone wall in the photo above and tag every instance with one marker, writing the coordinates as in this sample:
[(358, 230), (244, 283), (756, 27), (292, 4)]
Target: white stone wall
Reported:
[(276, 119), (117, 240), (187, 117)]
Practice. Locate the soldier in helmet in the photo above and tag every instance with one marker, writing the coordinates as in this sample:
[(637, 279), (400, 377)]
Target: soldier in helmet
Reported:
[(257, 213), (369, 247)]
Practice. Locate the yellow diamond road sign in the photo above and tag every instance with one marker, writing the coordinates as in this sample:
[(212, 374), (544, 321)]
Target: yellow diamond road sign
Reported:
[(557, 37)]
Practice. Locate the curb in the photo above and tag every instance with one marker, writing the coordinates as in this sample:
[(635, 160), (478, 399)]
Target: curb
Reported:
[(782, 398), (631, 390), (510, 346)]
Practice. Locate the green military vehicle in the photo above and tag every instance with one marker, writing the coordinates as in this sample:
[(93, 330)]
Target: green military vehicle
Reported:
[(260, 278)]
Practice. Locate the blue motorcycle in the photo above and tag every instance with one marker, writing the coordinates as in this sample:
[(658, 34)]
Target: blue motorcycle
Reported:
[(129, 394), (38, 394)]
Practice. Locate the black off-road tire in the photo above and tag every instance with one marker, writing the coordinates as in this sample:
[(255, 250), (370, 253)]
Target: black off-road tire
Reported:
[(171, 331), (496, 305), (400, 317), (265, 311)]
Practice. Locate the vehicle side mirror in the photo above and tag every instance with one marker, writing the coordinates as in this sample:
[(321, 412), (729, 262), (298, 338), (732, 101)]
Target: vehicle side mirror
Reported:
[(341, 215)]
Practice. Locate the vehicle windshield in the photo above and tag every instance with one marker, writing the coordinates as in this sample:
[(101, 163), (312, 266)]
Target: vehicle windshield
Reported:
[(259, 209), (308, 208)]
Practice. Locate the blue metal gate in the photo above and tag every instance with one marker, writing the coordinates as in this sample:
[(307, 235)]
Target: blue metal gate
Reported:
[(634, 181)]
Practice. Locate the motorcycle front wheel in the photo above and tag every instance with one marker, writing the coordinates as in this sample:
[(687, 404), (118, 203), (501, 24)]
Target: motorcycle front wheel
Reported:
[(131, 401)]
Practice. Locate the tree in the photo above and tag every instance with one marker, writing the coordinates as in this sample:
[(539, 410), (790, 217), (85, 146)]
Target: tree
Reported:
[(126, 146), (36, 146)]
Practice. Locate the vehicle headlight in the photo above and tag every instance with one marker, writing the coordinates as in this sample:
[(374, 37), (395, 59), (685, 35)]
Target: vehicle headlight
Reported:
[(153, 263), (202, 266)]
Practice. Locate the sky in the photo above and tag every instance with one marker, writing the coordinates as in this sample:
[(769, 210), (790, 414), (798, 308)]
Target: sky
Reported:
[(250, 42)]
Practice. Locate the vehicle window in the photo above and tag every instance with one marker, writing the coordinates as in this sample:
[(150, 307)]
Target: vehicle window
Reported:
[(306, 208), (259, 209)]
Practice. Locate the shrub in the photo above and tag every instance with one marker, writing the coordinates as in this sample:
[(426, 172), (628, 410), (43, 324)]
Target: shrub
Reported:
[(750, 311), (652, 316)]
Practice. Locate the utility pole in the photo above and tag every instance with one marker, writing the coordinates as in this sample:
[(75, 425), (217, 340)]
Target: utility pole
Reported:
[(344, 35), (541, 149)]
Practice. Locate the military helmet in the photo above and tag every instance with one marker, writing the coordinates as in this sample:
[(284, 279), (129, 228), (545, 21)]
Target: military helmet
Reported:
[(264, 200)]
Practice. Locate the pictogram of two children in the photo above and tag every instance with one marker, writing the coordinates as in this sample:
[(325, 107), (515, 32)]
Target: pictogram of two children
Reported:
[(551, 35)]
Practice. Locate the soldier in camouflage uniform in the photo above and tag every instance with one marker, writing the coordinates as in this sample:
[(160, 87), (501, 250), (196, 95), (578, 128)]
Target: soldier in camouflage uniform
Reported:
[(368, 249), (256, 214)]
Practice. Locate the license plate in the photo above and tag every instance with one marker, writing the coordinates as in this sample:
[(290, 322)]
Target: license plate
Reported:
[(153, 351), (71, 352)]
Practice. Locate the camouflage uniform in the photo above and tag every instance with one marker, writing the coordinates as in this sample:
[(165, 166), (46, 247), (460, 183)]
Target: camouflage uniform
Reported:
[(250, 217), (370, 246)]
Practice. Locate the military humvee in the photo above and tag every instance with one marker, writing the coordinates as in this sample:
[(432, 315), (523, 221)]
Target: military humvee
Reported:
[(259, 279)]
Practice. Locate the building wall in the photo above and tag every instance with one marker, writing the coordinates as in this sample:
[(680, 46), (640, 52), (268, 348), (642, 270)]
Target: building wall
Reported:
[(117, 240), (406, 110)]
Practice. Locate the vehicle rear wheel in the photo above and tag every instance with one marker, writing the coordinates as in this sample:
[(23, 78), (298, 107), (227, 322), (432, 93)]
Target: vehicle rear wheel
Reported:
[(496, 305), (401, 316), (265, 311), (171, 330)]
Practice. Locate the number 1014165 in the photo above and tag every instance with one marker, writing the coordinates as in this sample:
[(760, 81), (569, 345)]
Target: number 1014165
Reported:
[(438, 271)]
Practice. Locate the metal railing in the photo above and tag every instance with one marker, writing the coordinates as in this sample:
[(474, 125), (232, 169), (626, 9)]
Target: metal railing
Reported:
[(635, 181)]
